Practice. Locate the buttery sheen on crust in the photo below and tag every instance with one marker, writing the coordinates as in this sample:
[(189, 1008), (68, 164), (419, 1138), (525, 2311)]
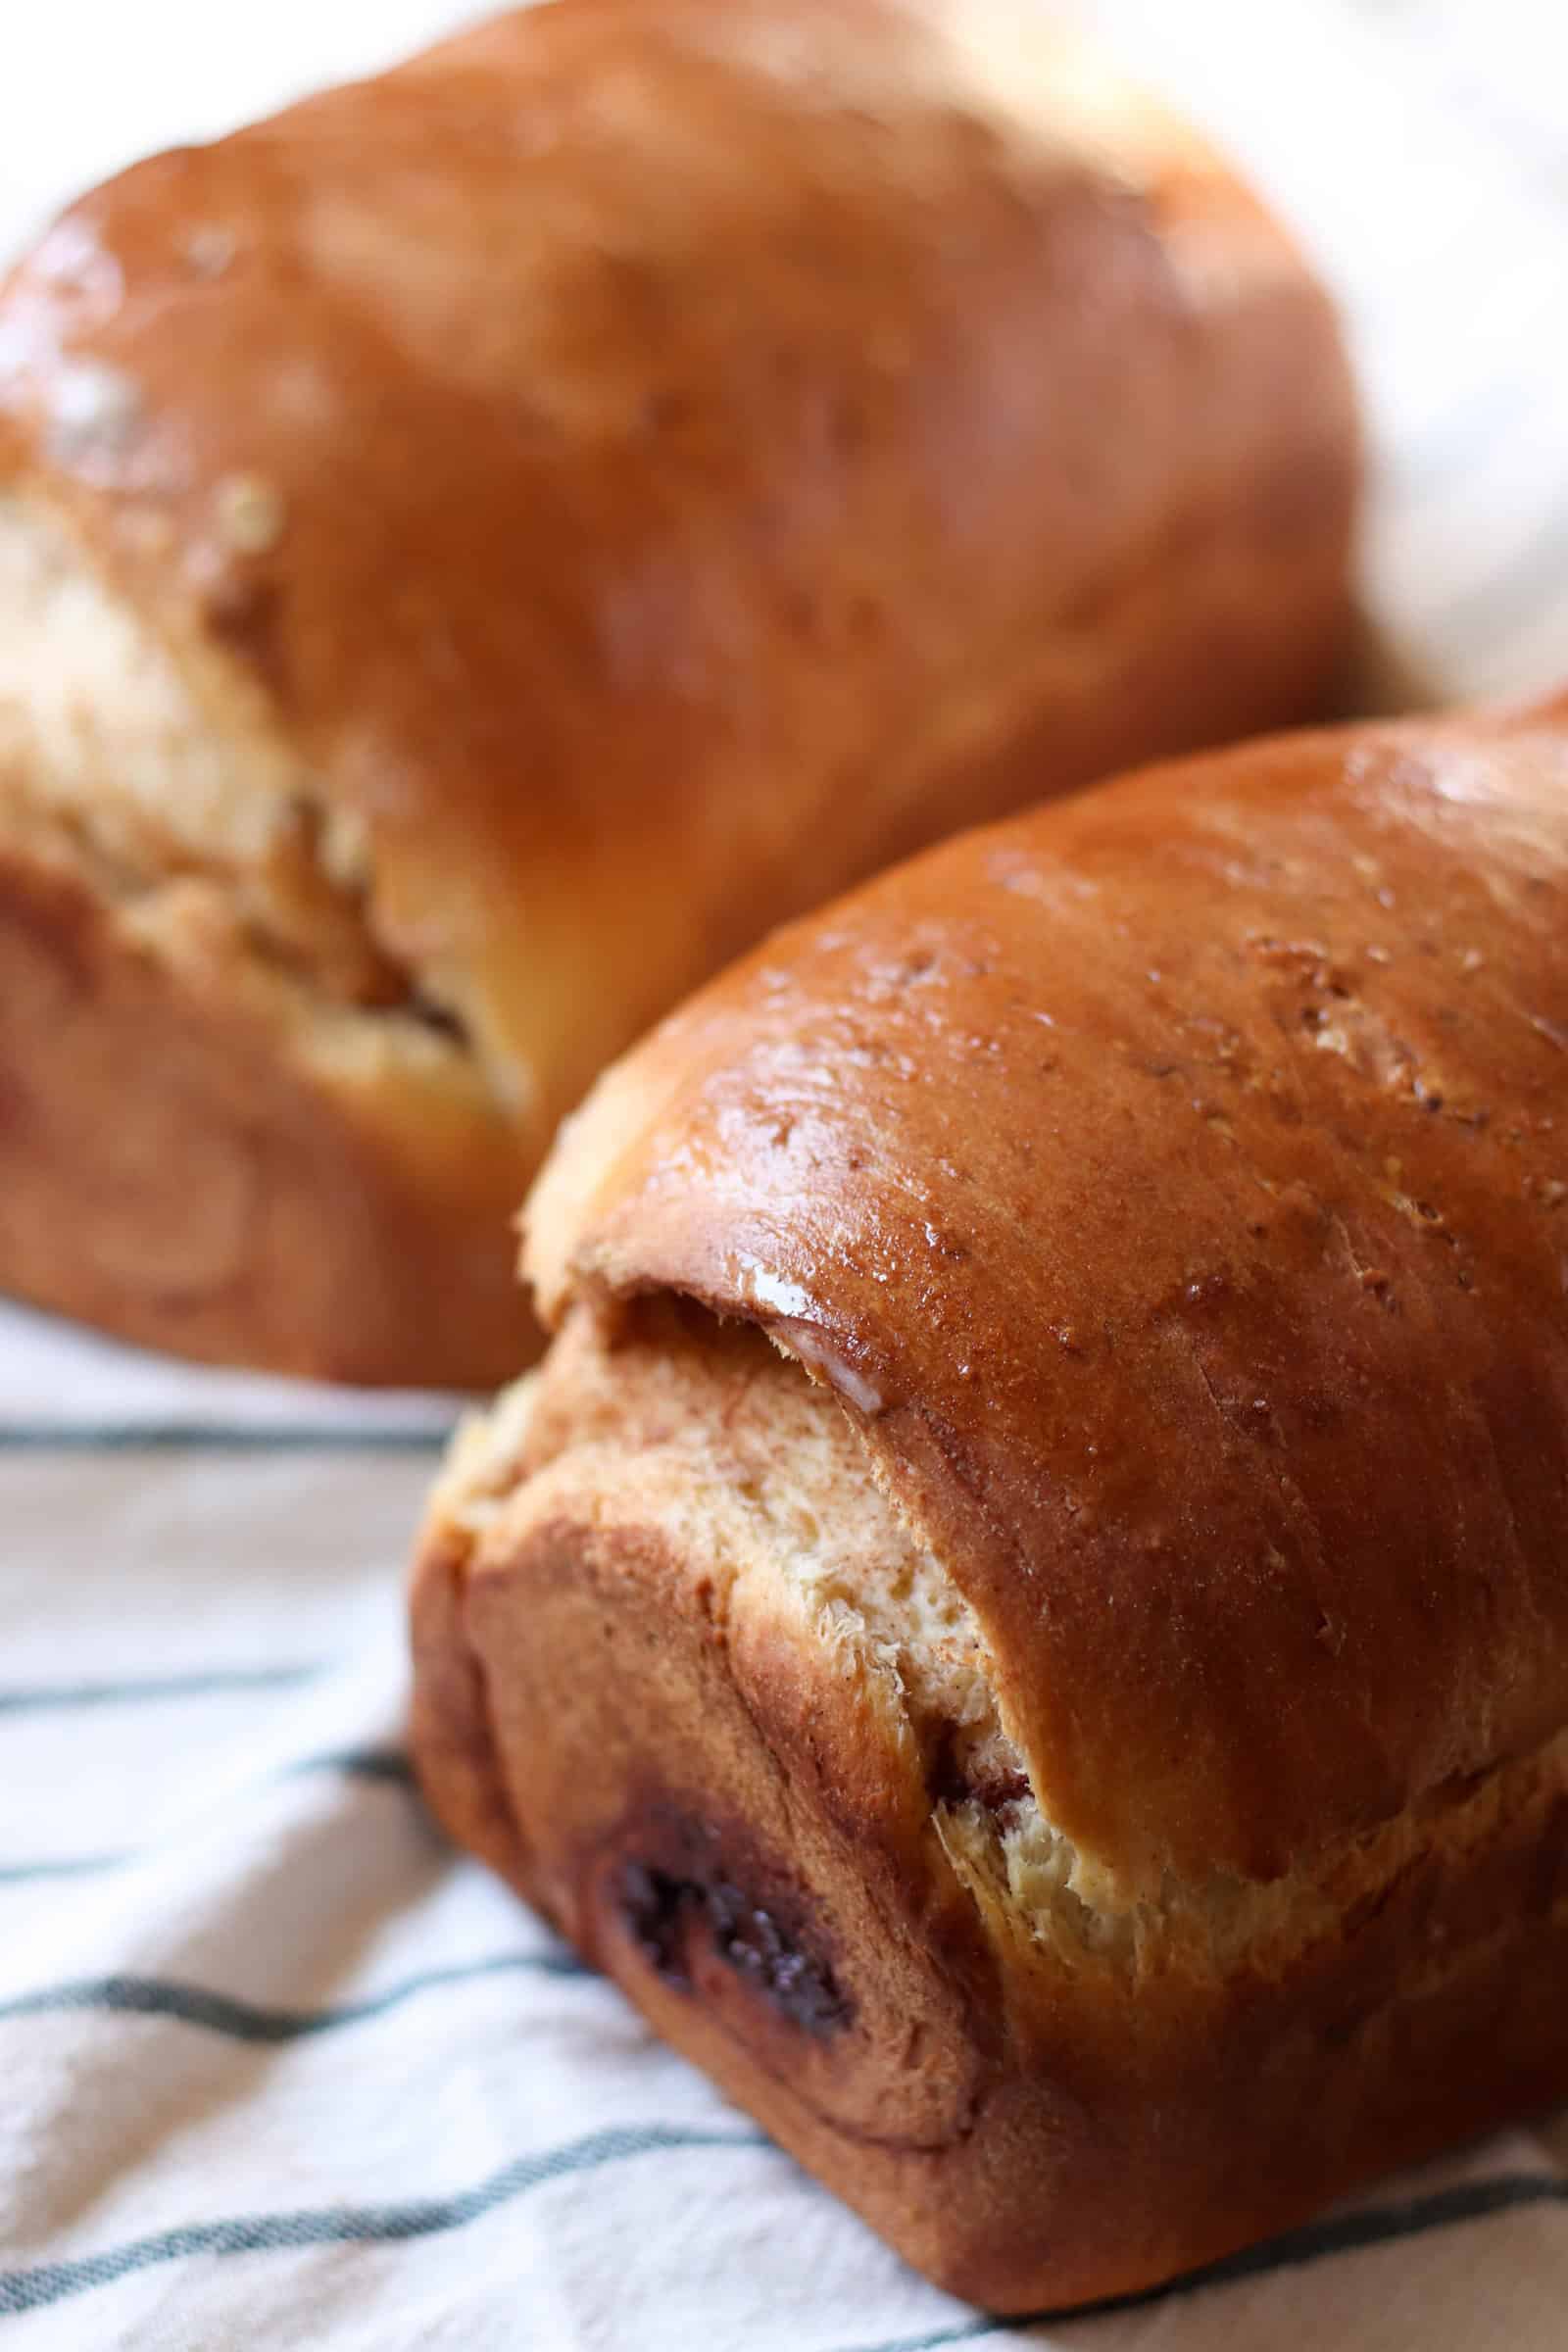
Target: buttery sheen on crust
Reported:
[(1024, 1617), (481, 546)]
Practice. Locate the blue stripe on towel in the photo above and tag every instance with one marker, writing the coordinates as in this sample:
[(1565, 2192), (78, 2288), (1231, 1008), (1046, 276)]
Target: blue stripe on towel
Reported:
[(346, 2224), (255, 2021)]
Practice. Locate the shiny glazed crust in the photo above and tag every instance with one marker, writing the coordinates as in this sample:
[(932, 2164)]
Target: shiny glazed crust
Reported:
[(1023, 1618), (628, 472)]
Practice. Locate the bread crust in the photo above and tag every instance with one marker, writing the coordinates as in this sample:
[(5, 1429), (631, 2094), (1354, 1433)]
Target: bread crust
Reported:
[(1044, 1159), (637, 469)]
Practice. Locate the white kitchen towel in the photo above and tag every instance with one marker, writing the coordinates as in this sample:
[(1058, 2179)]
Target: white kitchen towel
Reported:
[(278, 2069)]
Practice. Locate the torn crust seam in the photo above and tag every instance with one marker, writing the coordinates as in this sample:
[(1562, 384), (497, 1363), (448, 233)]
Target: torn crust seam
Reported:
[(775, 1466), (110, 768)]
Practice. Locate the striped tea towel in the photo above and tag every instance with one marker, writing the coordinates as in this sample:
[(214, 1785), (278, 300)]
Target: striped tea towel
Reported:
[(275, 2067)]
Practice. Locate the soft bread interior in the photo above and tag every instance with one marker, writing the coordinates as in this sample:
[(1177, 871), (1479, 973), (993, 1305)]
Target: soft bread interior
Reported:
[(748, 1435), (738, 1458), (195, 823)]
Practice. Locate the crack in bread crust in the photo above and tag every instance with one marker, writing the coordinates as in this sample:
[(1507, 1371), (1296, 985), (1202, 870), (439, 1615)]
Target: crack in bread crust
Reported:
[(108, 759), (658, 1377)]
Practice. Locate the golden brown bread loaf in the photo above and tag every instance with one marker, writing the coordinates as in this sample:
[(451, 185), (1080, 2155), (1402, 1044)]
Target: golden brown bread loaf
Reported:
[(1024, 1618), (478, 548)]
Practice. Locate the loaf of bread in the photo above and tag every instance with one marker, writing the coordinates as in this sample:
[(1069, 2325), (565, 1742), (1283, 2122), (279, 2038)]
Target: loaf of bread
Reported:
[(478, 549), (1024, 1617)]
